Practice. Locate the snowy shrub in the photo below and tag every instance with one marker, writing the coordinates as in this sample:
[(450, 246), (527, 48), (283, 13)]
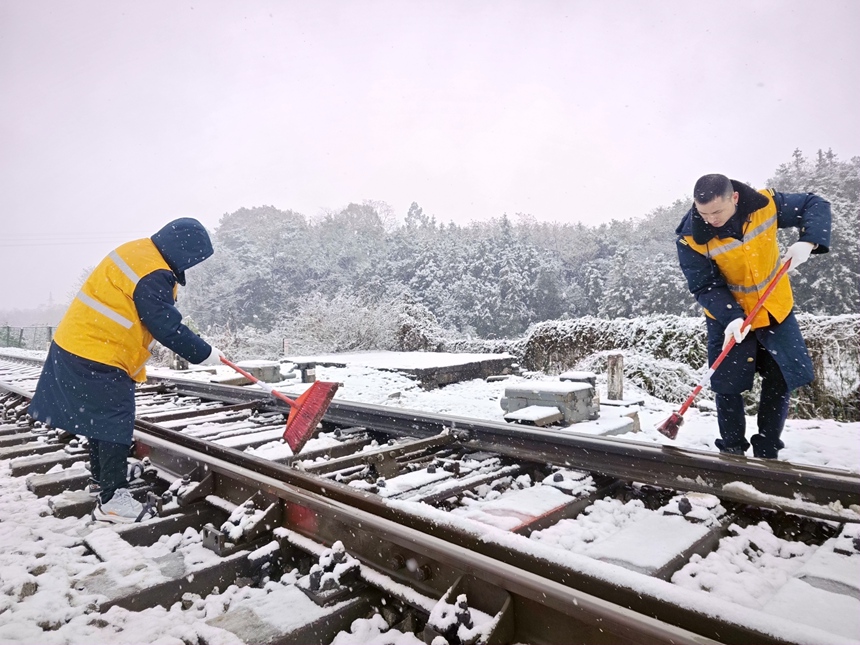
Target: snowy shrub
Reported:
[(556, 346), (664, 355), (666, 379), (834, 345), (417, 329), (484, 346)]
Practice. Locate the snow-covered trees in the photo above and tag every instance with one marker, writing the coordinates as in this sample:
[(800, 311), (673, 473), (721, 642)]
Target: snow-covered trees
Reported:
[(493, 279), (829, 284)]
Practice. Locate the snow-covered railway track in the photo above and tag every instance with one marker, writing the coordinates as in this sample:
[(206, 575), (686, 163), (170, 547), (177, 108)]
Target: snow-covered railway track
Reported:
[(431, 514)]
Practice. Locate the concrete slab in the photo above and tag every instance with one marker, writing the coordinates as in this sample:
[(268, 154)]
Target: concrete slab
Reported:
[(128, 570), (622, 402), (832, 571), (603, 427), (266, 371), (667, 536), (832, 612), (574, 400), (579, 377), (230, 379), (431, 369), (72, 503), (264, 620), (547, 391), (536, 415), (40, 464), (56, 483)]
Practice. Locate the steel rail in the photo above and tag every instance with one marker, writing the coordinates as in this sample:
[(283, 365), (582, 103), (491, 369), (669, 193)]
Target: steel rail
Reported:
[(354, 504), (796, 488), (630, 626)]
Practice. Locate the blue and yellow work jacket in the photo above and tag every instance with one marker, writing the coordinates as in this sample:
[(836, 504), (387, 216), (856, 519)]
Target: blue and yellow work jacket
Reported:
[(102, 323), (728, 269), (105, 337)]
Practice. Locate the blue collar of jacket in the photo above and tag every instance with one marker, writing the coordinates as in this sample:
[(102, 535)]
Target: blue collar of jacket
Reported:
[(749, 201)]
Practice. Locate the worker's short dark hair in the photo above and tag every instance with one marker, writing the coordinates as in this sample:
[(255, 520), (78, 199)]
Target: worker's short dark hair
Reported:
[(710, 187)]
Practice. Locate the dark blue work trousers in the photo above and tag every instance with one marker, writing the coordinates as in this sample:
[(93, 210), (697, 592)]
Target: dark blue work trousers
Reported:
[(109, 466), (772, 412)]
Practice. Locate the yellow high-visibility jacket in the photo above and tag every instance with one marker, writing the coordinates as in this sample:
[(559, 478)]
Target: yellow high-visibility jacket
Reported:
[(750, 264), (102, 324)]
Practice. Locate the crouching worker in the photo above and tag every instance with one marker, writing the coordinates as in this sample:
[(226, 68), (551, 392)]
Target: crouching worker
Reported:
[(728, 250), (102, 344)]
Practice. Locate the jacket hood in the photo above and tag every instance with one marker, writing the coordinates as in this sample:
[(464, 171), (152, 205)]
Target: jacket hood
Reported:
[(749, 201), (183, 243)]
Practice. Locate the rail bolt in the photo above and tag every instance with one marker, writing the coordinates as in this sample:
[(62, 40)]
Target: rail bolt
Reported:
[(397, 562), (423, 573)]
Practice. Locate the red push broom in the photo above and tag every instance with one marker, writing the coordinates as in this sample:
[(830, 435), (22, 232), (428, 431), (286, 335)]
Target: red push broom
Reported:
[(671, 425), (305, 412)]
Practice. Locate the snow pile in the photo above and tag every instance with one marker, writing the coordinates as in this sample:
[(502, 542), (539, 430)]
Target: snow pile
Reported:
[(243, 518), (374, 631), (460, 623), (600, 520), (747, 568)]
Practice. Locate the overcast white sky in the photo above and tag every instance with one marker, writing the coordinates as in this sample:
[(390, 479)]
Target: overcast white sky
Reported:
[(116, 117)]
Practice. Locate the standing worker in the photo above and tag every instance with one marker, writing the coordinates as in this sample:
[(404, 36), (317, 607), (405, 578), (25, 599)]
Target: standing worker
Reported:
[(102, 344), (728, 251)]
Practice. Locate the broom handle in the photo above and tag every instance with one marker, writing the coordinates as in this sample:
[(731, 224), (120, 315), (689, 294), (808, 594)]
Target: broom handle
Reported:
[(747, 322), (265, 386)]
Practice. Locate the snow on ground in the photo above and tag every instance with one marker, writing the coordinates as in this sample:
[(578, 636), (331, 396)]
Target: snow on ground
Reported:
[(42, 558), (820, 442), (397, 360)]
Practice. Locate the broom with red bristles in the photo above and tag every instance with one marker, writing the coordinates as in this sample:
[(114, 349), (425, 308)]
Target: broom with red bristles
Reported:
[(305, 412), (671, 425)]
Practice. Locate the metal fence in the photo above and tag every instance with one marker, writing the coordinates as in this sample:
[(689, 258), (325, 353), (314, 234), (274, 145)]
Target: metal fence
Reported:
[(37, 337)]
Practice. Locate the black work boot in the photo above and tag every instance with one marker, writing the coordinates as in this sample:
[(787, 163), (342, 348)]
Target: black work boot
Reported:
[(733, 449), (765, 448)]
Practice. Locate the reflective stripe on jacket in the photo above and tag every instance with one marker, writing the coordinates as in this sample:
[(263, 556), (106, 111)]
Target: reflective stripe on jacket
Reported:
[(748, 265), (102, 323)]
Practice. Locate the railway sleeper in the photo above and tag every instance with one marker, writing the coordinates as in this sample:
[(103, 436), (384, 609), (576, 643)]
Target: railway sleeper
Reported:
[(423, 573), (36, 447), (19, 438), (162, 581), (23, 425), (41, 464)]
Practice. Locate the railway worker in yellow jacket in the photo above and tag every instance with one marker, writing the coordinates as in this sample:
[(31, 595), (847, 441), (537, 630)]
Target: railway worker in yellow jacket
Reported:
[(727, 247), (102, 344)]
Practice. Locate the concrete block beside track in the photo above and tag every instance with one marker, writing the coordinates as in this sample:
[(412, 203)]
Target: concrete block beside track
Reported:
[(575, 400)]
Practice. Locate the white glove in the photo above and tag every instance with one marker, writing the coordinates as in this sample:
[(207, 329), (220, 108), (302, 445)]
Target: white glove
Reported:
[(798, 253), (214, 357), (733, 329)]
